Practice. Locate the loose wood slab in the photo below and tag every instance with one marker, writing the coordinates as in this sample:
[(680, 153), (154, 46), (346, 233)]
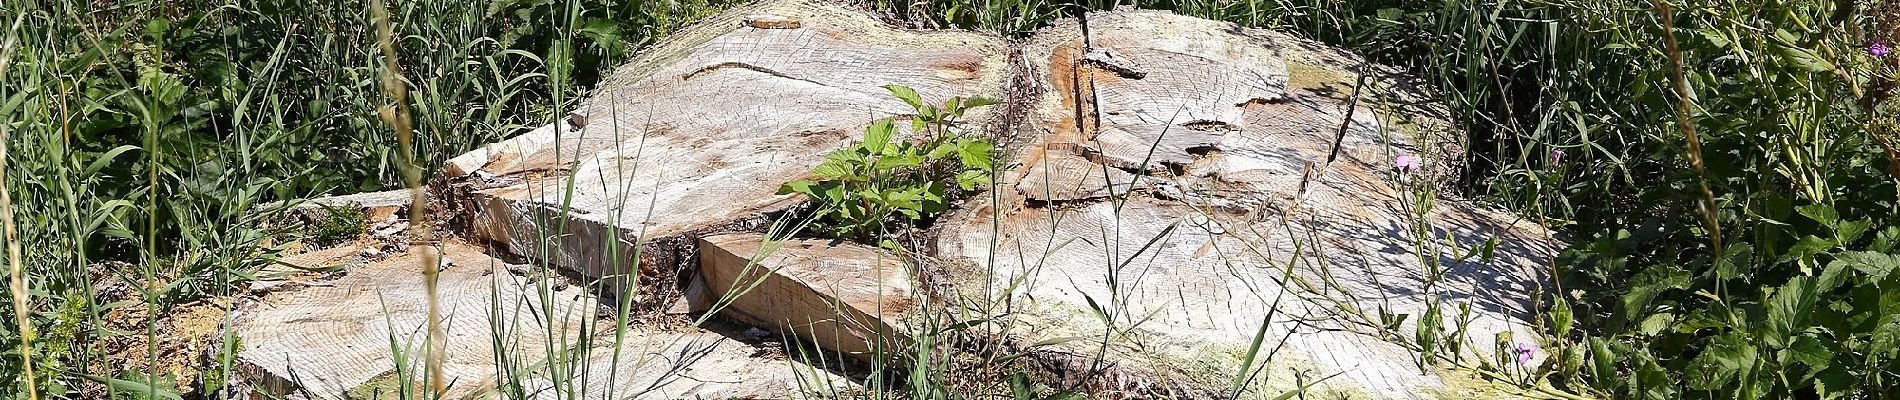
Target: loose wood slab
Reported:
[(325, 338), (845, 297), (696, 135), (1216, 133)]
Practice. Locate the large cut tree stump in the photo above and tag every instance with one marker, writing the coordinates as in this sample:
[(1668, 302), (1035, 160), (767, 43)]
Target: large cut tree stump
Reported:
[(1173, 189), (326, 339), (1235, 218), (696, 136)]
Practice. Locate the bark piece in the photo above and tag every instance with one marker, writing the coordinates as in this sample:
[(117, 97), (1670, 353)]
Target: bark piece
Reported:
[(845, 297), (1230, 122), (696, 135), (327, 338)]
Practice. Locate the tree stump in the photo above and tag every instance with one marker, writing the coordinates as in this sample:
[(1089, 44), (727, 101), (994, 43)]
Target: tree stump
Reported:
[(1173, 190), (1235, 217), (696, 135)]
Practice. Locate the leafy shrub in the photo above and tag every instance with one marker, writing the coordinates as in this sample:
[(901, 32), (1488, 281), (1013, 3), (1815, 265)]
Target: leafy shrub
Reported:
[(862, 187)]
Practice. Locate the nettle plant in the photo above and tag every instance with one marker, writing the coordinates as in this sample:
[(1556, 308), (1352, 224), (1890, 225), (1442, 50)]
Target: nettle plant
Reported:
[(886, 180)]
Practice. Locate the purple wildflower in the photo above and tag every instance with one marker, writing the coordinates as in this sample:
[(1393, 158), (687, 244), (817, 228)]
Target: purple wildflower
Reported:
[(1557, 156), (1405, 163), (1524, 352), (1878, 49)]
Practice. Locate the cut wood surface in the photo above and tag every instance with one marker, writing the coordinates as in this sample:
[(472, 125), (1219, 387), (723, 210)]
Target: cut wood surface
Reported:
[(845, 297), (696, 135), (1215, 136), (1170, 186), (327, 338)]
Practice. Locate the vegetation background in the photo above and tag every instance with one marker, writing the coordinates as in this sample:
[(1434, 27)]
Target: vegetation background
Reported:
[(1725, 170)]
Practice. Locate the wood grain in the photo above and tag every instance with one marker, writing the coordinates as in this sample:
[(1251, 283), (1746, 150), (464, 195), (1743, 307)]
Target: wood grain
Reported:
[(1223, 126), (328, 337), (696, 136), (845, 297)]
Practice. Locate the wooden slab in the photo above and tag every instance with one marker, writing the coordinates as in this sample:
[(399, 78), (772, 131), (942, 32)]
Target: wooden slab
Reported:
[(696, 135), (845, 297), (1223, 122), (327, 338)]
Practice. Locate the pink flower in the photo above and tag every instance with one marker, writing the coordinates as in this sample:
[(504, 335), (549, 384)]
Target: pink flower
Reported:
[(1524, 352), (1405, 163), (1556, 156), (1878, 49)]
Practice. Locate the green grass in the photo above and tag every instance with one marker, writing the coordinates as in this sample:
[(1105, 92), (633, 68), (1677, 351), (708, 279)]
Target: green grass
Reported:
[(159, 136)]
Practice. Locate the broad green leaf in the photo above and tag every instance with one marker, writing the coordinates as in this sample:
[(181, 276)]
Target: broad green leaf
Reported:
[(1734, 261), (970, 180), (975, 153), (1657, 323), (1835, 382), (834, 167), (1646, 285), (1807, 247), (1728, 357), (804, 187), (1849, 231), (1875, 265), (878, 135), (1810, 351), (1561, 317), (1820, 213), (908, 95), (1885, 240), (891, 163)]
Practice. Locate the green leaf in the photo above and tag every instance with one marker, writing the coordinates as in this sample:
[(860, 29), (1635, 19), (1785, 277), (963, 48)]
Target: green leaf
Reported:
[(1657, 323), (133, 387), (1728, 357), (1734, 261), (1820, 213), (970, 180), (908, 95), (1810, 351), (1646, 285), (800, 187), (978, 101), (1875, 265), (1835, 382), (1807, 247), (975, 153), (100, 162), (603, 32), (891, 163), (1805, 59), (1848, 231), (1885, 240), (834, 167), (878, 135)]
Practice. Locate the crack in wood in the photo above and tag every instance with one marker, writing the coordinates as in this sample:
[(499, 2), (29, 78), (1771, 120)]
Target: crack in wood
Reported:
[(741, 65)]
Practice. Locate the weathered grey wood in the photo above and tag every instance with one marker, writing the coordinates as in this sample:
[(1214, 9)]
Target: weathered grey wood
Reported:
[(696, 135), (1185, 270), (1166, 191), (844, 297), (1059, 176), (324, 338)]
